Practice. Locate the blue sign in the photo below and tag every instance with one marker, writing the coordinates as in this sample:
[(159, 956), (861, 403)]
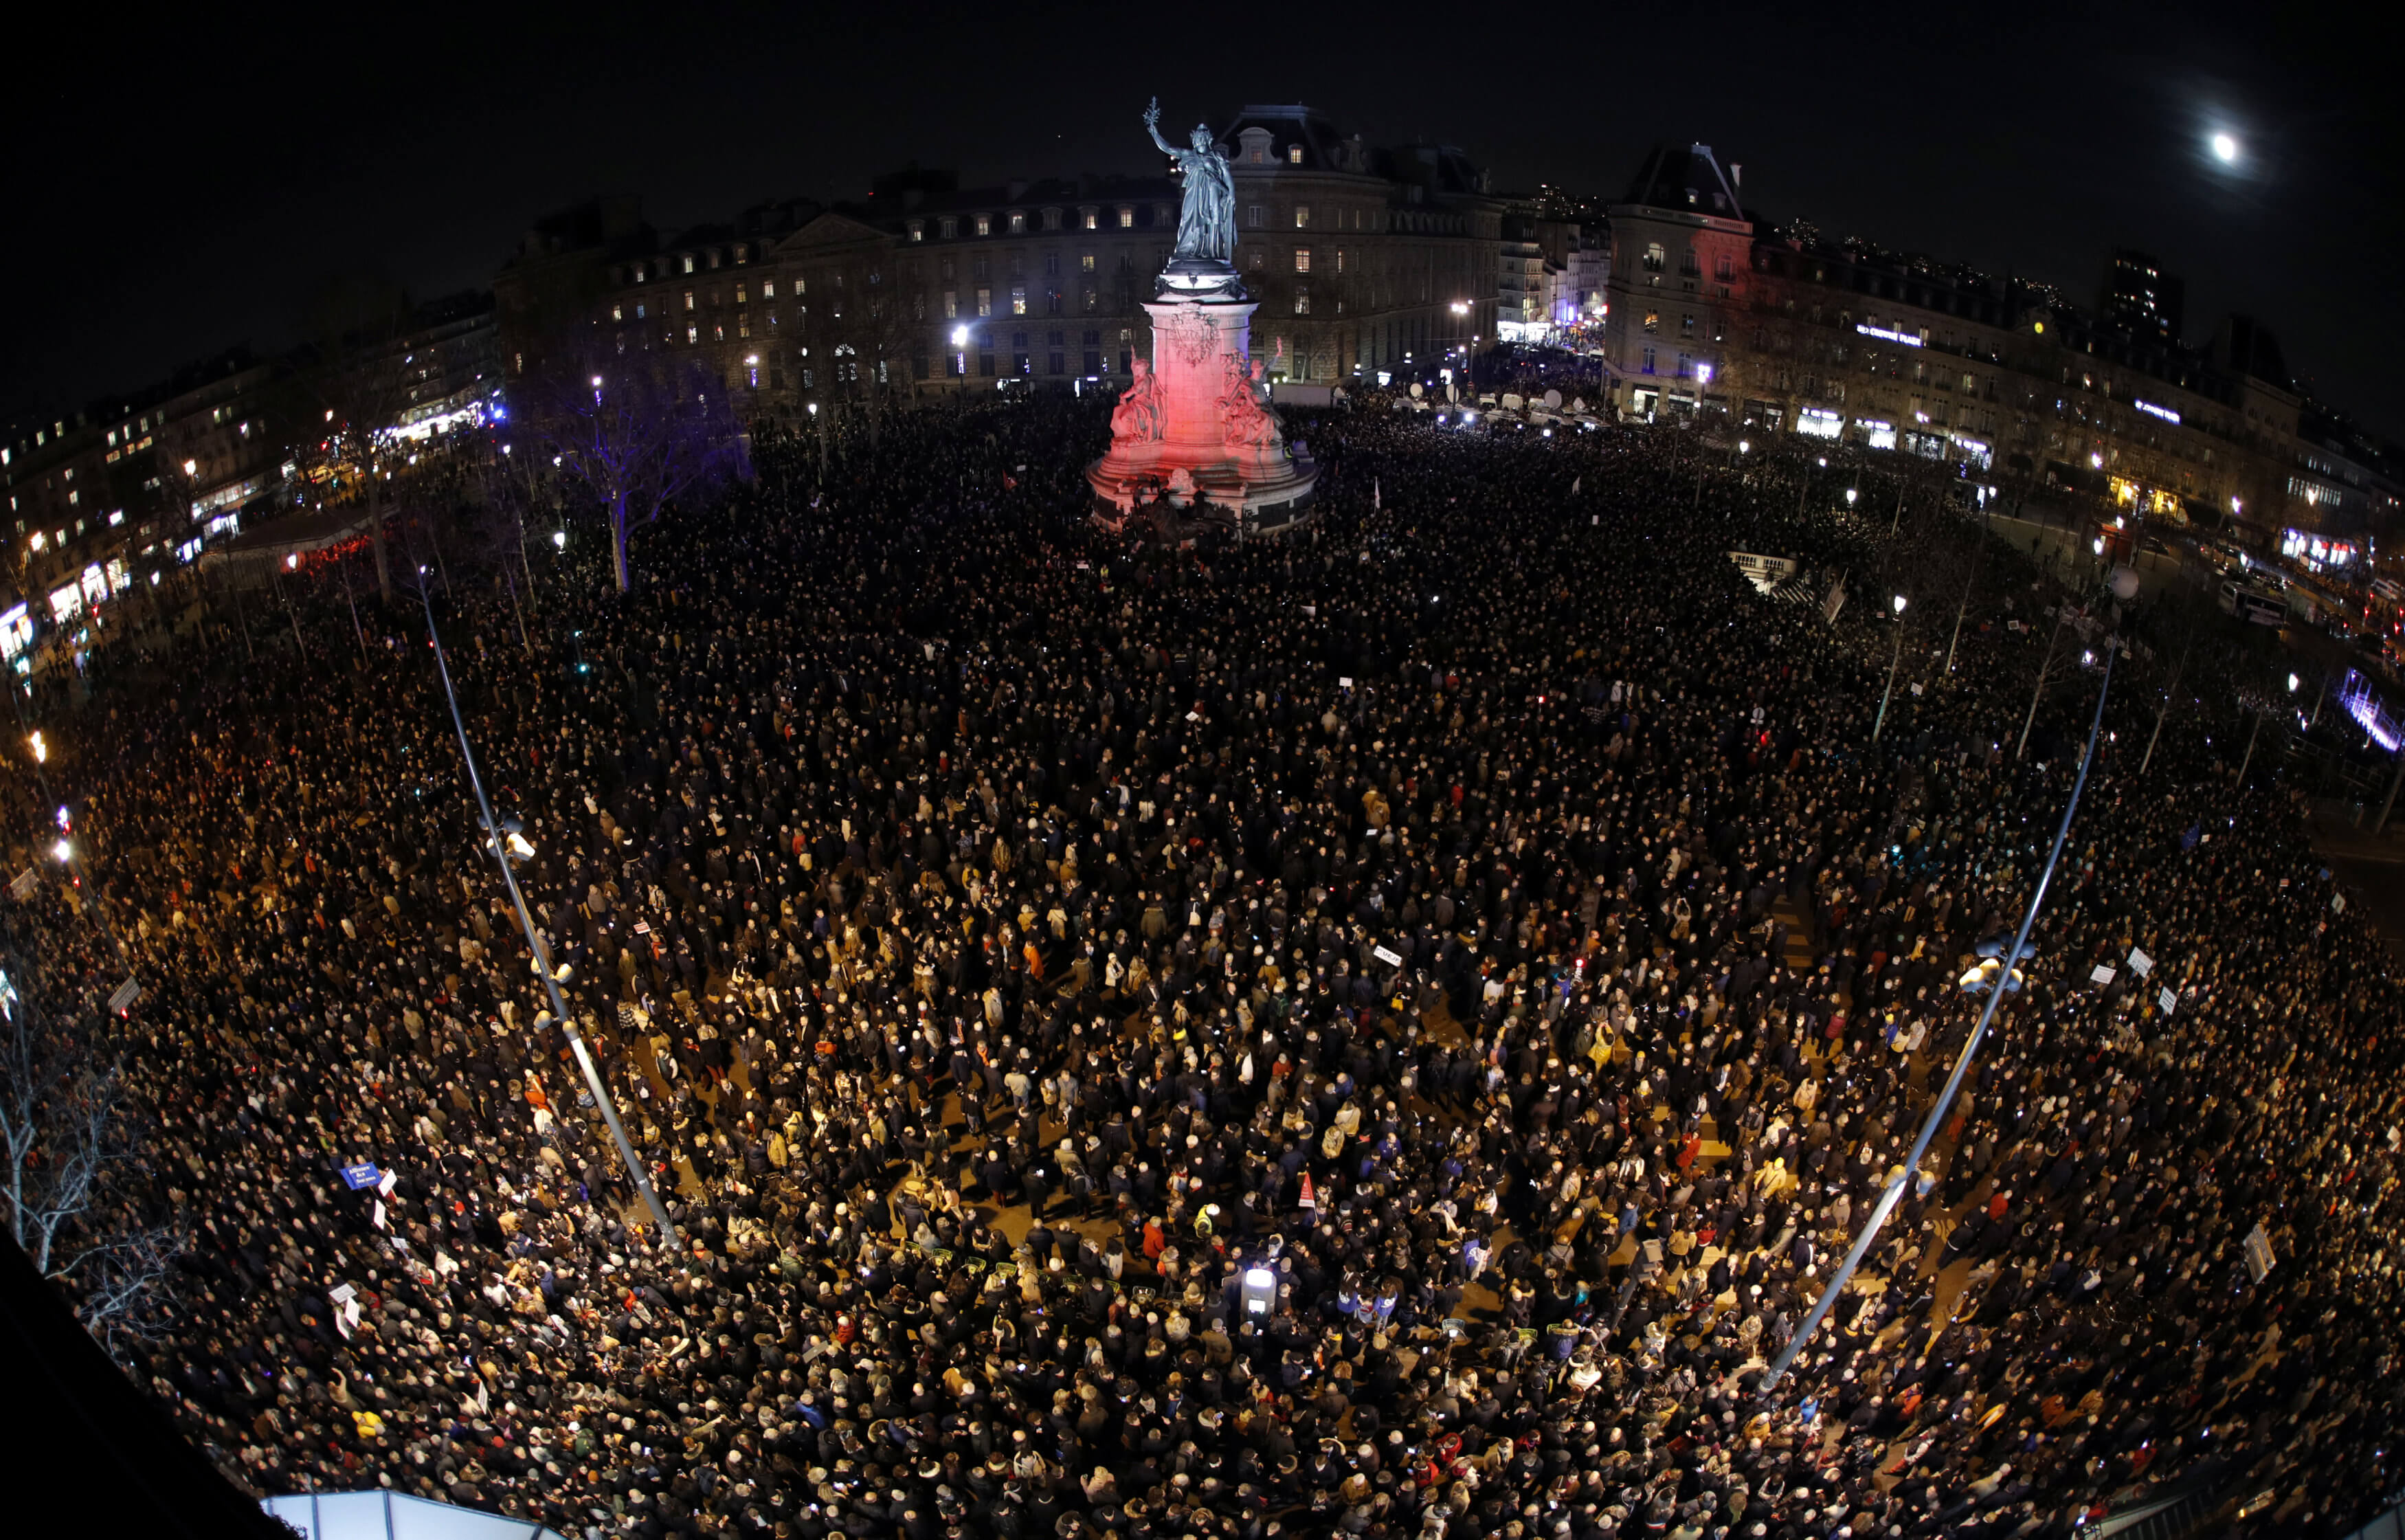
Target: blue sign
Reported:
[(361, 1176)]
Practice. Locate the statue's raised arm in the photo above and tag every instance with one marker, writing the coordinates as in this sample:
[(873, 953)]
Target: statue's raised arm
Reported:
[(1152, 126)]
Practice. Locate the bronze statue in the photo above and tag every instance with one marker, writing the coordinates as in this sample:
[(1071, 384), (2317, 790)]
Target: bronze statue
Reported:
[(1206, 215)]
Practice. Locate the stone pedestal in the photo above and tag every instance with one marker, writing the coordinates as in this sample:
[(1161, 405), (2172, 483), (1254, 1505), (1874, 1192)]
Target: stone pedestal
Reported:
[(1192, 434)]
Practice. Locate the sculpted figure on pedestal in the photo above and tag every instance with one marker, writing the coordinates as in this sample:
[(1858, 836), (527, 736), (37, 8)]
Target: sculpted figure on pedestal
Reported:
[(1248, 425), (1136, 420)]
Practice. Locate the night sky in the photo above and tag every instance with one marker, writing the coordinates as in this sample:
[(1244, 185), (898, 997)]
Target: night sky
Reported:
[(184, 188)]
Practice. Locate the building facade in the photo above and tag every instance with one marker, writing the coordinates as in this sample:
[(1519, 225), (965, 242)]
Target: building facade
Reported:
[(1361, 260), (1782, 330)]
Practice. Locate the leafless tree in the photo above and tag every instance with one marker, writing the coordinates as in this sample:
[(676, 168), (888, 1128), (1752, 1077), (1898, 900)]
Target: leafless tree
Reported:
[(637, 441), (64, 1125), (355, 372)]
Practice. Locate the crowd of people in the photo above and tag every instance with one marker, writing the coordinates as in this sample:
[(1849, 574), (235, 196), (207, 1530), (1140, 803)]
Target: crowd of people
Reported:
[(1382, 1032)]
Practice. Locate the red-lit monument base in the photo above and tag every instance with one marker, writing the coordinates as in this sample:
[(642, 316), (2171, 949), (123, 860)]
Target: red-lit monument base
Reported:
[(1191, 440)]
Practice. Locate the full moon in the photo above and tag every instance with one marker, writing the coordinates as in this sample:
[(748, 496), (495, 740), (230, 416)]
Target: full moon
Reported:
[(2225, 148)]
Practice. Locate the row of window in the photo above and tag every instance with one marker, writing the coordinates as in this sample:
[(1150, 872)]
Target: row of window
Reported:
[(1091, 216)]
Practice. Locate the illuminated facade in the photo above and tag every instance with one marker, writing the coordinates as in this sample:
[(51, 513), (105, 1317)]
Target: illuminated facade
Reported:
[(1783, 330), (1360, 257)]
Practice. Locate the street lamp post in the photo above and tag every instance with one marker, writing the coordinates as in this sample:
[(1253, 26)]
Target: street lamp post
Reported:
[(1996, 991), (1964, 608), (542, 958), (1893, 664)]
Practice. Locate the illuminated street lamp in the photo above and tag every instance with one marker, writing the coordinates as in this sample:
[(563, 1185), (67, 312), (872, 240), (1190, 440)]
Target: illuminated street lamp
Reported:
[(560, 539), (41, 749), (510, 846), (1880, 724), (62, 852)]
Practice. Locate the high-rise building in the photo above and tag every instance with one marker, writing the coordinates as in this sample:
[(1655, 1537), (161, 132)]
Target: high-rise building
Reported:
[(2141, 297)]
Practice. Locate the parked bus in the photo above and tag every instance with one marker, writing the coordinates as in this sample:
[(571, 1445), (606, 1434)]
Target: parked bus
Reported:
[(2253, 604)]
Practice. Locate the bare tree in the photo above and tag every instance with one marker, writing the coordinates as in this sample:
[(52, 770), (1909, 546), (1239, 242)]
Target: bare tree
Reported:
[(63, 1127), (356, 372), (636, 442)]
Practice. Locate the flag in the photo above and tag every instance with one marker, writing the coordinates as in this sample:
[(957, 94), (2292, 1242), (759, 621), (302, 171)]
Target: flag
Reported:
[(2195, 832)]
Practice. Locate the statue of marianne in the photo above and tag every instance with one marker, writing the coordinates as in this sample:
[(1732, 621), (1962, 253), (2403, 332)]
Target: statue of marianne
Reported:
[(1206, 215)]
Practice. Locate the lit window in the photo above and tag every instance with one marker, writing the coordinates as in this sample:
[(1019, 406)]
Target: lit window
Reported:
[(985, 224), (692, 334), (1127, 218), (617, 312), (1018, 222), (767, 289), (1302, 299), (740, 297), (742, 255), (985, 302), (917, 230), (1654, 257), (1018, 301), (1088, 218), (1653, 320), (688, 262), (1302, 258), (688, 299), (1303, 216), (1294, 155), (1086, 262)]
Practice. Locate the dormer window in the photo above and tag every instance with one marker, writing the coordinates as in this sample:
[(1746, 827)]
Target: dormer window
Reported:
[(1089, 218), (1018, 222), (1051, 218), (1294, 155), (917, 230), (688, 262), (742, 255), (949, 228), (985, 224), (1127, 218)]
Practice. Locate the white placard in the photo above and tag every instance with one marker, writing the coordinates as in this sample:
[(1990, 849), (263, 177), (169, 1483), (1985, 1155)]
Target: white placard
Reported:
[(2103, 974), (2140, 964)]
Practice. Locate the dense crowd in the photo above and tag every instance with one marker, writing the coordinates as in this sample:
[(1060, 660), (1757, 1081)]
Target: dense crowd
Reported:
[(1479, 929)]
